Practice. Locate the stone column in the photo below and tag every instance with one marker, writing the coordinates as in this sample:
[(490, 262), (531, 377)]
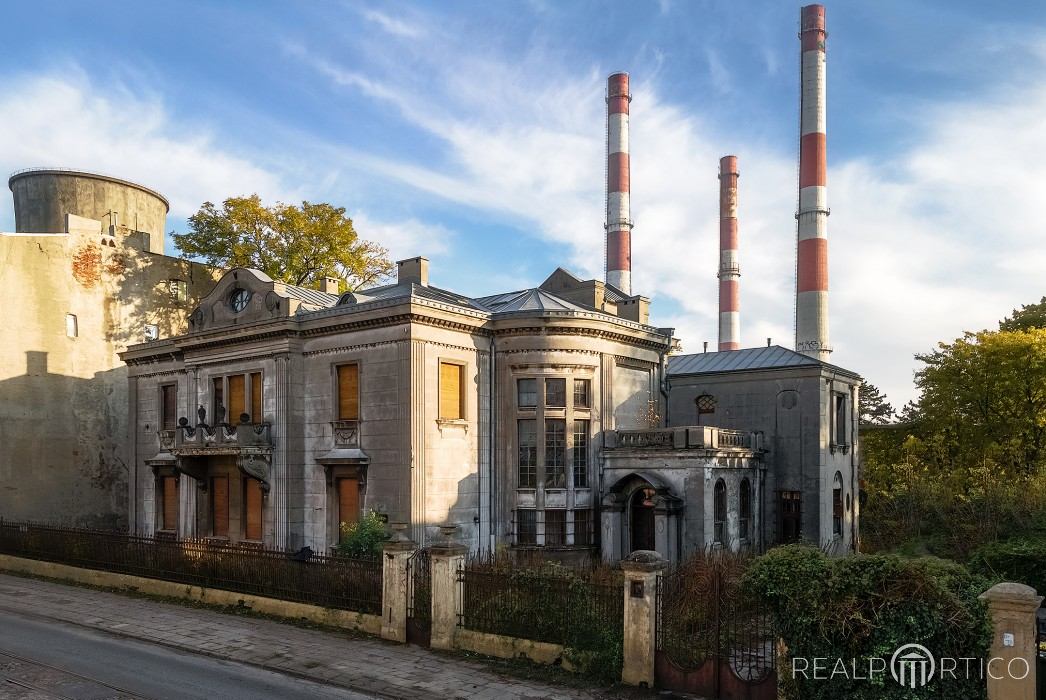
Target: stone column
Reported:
[(446, 593), (277, 496), (394, 589), (641, 569), (1012, 658)]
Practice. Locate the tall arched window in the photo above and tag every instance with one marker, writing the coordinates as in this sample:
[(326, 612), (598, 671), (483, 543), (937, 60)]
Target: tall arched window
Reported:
[(719, 512), (837, 505), (745, 508)]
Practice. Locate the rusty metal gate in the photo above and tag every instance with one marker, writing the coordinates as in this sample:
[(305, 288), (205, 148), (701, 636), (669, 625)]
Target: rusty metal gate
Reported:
[(419, 598), (712, 640)]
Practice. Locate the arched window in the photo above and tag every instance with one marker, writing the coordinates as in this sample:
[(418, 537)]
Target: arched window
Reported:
[(719, 512), (745, 508), (837, 505)]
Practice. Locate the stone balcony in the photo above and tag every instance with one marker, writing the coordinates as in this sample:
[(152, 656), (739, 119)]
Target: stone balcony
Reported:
[(700, 437)]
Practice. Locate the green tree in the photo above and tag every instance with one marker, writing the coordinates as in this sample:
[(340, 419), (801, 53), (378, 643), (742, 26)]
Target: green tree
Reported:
[(294, 244), (873, 407), (1027, 317), (983, 402)]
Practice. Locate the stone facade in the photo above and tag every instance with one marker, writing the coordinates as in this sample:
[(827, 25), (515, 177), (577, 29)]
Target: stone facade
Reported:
[(81, 293), (545, 418)]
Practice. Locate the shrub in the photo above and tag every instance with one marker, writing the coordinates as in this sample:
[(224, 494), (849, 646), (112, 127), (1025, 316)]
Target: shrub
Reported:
[(867, 606), (363, 538), (1021, 559)]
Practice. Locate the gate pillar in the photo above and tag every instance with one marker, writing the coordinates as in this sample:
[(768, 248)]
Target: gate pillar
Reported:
[(1011, 674), (641, 569), (394, 559), (446, 593)]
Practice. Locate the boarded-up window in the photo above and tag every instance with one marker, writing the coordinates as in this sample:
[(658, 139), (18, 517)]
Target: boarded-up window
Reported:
[(256, 397), (348, 392), (348, 503), (451, 401), (218, 393), (252, 503), (220, 506), (237, 398), (169, 406), (169, 485)]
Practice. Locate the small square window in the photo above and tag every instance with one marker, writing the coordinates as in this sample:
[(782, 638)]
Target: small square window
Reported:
[(178, 289), (152, 332), (582, 388), (71, 328), (556, 393), (527, 393)]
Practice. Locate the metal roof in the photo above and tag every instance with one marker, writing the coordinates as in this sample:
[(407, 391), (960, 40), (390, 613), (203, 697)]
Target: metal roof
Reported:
[(312, 297), (772, 357), (527, 300)]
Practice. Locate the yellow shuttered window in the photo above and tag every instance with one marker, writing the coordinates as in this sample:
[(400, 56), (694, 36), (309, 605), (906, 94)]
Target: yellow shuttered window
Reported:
[(451, 405), (237, 398), (256, 397), (348, 392)]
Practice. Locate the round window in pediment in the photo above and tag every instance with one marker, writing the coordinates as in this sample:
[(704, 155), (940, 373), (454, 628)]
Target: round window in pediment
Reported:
[(238, 299)]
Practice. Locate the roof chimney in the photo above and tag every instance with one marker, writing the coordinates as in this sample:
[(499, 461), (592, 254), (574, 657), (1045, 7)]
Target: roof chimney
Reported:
[(619, 221), (811, 291), (330, 285), (414, 270), (729, 271)]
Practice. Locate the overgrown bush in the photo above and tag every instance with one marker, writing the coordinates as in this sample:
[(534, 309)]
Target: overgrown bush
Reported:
[(552, 603), (867, 606), (363, 538), (1021, 559)]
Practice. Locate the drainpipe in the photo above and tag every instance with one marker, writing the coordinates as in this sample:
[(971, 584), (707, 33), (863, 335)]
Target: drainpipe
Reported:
[(665, 387), (491, 452), (854, 428)]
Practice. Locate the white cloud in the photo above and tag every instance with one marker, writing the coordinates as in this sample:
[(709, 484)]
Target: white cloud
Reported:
[(946, 236), (393, 25), (65, 121), (404, 239)]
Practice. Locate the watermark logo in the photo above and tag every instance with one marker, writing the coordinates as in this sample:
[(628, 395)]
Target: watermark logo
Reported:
[(912, 665)]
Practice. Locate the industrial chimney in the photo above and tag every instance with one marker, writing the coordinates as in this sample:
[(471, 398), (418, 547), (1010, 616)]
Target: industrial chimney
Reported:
[(811, 298), (729, 272), (619, 222)]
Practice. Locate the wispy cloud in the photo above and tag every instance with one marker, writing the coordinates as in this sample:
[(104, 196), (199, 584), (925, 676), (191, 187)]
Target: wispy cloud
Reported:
[(917, 252), (393, 25)]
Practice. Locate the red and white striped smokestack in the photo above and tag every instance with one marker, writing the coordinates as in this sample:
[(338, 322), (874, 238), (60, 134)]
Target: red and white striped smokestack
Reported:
[(619, 221), (729, 271), (811, 299)]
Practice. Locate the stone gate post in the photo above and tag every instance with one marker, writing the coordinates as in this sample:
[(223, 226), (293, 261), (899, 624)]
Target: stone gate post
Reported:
[(641, 569), (394, 558), (447, 558), (1011, 669)]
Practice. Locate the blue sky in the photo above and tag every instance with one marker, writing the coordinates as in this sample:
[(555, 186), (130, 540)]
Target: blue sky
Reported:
[(473, 133)]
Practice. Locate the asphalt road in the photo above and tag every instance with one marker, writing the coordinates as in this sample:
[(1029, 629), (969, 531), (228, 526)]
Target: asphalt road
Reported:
[(43, 659)]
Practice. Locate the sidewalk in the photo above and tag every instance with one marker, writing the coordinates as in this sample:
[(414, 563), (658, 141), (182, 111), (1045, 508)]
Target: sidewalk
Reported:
[(363, 664)]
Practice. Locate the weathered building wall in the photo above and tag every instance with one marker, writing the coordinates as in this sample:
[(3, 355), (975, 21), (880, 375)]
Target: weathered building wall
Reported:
[(79, 298), (792, 408), (44, 197)]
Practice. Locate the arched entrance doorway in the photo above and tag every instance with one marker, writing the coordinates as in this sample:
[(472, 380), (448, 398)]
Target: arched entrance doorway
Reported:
[(641, 519)]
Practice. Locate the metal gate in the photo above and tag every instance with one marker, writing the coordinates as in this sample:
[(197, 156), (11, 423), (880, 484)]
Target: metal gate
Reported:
[(419, 598), (712, 640)]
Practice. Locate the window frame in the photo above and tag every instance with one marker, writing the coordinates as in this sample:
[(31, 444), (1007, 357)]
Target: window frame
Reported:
[(519, 393), (248, 395), (532, 468), (555, 518), (588, 529), (744, 510), (162, 406), (579, 455), (555, 475), (586, 393), (462, 403), (837, 505), (548, 381), (719, 512), (336, 408), (532, 526)]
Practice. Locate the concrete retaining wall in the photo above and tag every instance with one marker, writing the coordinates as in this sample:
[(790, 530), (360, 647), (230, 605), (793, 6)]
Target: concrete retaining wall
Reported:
[(371, 624)]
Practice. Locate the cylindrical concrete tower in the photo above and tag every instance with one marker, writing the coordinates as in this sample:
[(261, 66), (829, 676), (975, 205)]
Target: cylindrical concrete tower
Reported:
[(729, 271), (811, 298), (619, 222), (43, 197)]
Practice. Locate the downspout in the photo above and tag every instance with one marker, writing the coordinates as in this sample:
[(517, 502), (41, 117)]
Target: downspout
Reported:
[(491, 452), (664, 384), (854, 506)]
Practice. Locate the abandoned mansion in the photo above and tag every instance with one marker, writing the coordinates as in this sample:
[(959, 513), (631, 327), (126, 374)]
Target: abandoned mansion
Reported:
[(231, 406)]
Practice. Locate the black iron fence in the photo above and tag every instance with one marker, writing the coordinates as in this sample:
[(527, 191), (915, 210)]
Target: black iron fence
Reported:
[(562, 607), (333, 582)]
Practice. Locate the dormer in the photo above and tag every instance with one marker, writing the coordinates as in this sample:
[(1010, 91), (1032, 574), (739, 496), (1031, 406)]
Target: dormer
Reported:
[(245, 295)]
